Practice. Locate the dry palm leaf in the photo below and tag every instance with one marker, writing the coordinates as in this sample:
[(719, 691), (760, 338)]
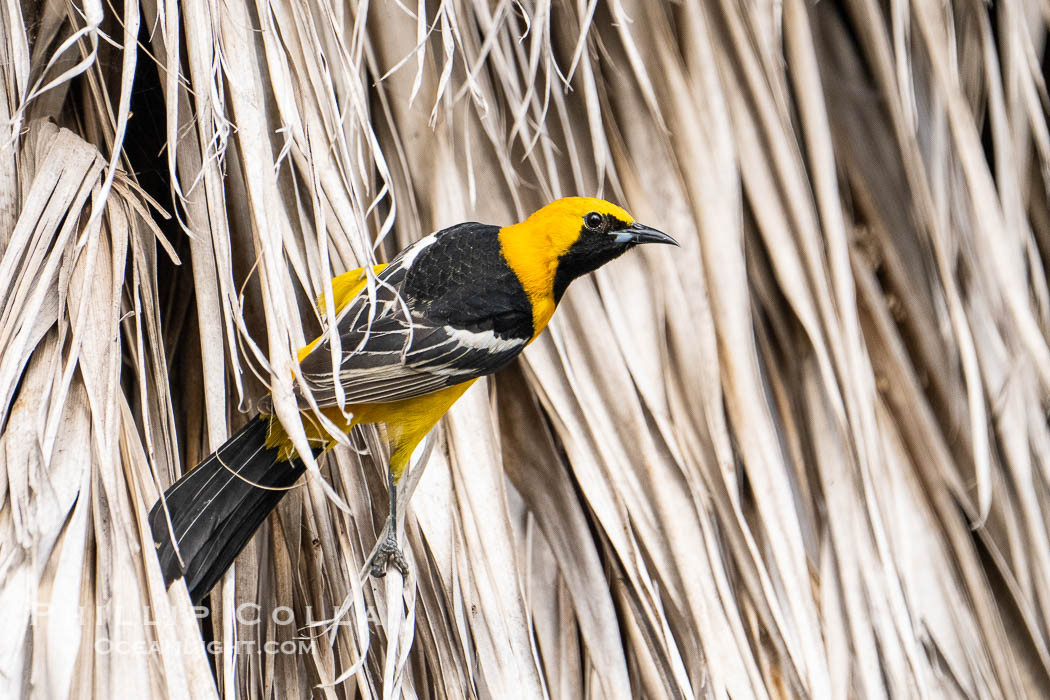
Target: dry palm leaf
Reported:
[(806, 454)]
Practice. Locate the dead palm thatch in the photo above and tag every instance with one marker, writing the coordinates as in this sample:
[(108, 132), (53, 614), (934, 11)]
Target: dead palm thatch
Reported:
[(808, 454)]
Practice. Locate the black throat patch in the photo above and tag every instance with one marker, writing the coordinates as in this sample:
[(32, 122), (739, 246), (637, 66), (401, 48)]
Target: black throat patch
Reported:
[(590, 251)]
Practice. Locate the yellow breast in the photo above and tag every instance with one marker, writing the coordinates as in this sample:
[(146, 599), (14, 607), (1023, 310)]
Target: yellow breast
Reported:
[(528, 252)]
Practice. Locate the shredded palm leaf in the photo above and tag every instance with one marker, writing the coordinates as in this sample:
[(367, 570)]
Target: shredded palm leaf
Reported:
[(807, 454)]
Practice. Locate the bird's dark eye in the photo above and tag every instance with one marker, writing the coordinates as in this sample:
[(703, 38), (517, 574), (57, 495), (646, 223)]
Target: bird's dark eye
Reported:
[(593, 221)]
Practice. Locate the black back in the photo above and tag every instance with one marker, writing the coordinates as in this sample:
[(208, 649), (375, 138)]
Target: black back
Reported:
[(463, 280)]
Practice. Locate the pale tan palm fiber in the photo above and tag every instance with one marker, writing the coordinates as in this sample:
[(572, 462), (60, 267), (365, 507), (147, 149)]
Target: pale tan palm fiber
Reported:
[(806, 454)]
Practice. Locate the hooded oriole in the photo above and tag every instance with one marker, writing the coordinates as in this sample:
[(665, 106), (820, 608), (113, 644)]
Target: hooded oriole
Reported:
[(450, 308)]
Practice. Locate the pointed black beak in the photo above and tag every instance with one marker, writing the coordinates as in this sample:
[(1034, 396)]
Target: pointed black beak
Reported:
[(640, 233)]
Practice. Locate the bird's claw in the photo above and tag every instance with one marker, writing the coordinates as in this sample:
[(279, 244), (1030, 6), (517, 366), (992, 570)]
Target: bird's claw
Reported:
[(388, 554)]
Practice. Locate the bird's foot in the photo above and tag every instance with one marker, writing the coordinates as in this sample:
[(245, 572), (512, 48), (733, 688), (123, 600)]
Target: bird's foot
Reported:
[(387, 554)]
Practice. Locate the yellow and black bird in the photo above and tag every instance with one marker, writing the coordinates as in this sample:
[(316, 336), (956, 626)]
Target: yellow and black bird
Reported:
[(452, 307)]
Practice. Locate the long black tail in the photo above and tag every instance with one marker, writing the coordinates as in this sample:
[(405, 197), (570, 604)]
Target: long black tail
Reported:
[(217, 507)]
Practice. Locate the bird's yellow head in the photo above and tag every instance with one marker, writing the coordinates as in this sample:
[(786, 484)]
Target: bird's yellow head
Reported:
[(569, 238)]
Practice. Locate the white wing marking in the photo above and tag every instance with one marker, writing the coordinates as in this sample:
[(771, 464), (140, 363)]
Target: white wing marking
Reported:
[(485, 340), (410, 254)]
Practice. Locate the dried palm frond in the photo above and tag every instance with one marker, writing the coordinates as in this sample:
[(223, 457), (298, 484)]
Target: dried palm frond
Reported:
[(807, 454)]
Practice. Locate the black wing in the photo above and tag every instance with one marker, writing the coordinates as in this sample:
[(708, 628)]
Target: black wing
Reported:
[(447, 310)]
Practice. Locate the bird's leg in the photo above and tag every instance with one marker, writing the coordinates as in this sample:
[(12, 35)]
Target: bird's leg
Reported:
[(389, 553)]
